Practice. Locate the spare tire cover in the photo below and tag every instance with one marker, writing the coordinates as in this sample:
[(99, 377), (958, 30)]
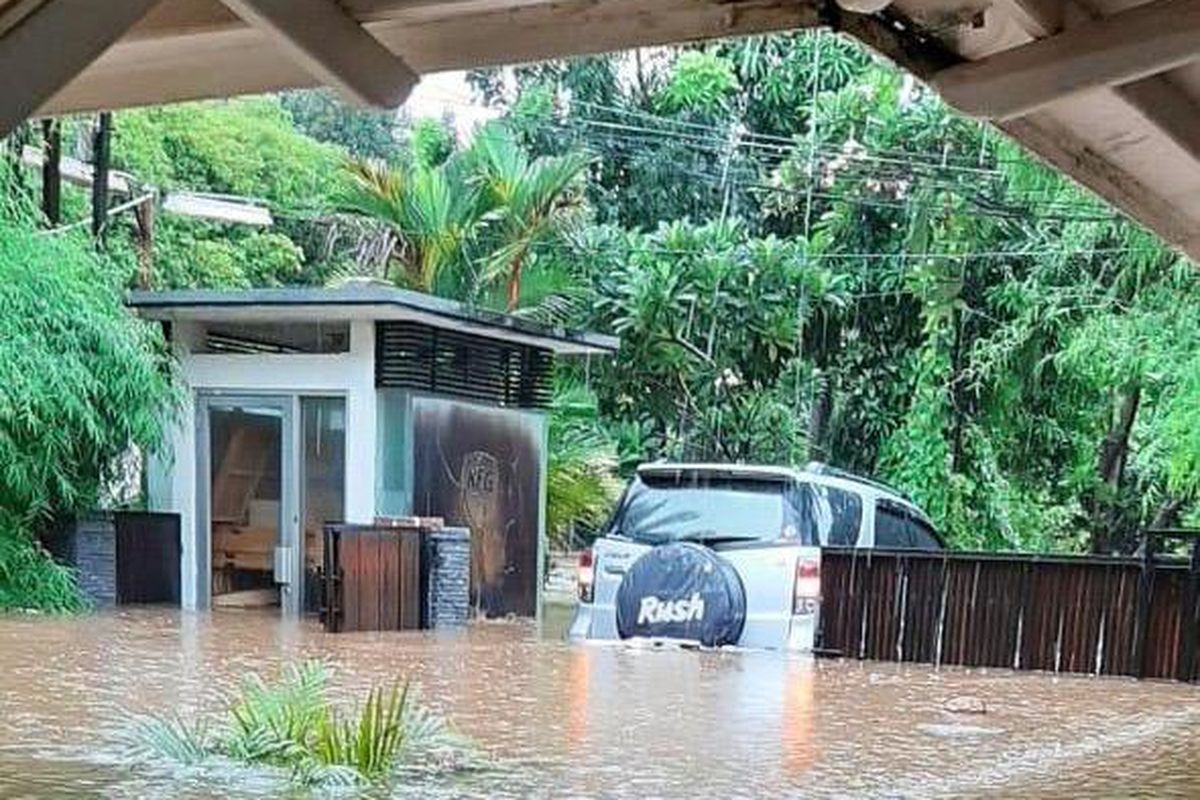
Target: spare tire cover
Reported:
[(682, 591)]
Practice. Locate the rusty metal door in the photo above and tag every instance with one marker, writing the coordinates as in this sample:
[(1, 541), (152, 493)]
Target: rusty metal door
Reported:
[(481, 468)]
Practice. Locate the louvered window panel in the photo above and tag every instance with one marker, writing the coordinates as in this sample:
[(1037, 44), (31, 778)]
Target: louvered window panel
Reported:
[(415, 356)]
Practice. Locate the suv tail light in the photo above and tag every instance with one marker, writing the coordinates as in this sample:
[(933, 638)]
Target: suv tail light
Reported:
[(806, 592), (586, 577)]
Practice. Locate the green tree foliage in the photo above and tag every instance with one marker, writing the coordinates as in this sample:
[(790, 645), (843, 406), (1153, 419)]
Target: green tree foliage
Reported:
[(710, 364), (430, 143), (957, 319), (806, 254), (364, 132), (473, 220), (431, 212), (581, 472), (528, 201), (80, 383), (700, 82), (248, 148)]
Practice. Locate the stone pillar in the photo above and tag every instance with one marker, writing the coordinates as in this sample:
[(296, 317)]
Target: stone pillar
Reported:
[(449, 569), (89, 546)]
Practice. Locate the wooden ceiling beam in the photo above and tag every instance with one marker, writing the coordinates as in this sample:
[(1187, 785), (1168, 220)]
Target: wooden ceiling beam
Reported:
[(51, 43), (333, 47), (194, 49), (1157, 99), (1060, 148), (1114, 50)]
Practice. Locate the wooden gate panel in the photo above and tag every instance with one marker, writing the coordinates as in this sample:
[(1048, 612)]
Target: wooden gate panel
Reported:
[(373, 578)]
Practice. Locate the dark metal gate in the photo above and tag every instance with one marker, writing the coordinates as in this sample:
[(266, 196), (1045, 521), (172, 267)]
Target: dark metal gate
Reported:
[(148, 551)]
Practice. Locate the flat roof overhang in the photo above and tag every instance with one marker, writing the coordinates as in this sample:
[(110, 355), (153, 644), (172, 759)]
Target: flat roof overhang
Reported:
[(1106, 91), (374, 303)]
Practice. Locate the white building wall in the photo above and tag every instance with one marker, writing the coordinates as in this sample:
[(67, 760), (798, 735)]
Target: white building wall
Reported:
[(172, 477)]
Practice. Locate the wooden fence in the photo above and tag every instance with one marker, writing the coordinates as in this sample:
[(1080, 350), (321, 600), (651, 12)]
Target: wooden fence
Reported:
[(373, 579), (1104, 616)]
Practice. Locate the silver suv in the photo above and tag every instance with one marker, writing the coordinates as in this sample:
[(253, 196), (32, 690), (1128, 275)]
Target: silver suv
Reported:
[(731, 555)]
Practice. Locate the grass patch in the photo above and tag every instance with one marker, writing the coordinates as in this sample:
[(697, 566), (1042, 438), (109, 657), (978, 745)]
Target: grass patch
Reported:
[(290, 725)]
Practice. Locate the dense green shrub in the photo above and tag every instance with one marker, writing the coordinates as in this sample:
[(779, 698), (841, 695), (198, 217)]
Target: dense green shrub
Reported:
[(81, 381)]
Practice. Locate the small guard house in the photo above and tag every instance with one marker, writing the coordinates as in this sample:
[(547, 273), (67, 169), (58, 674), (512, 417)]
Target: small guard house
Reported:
[(305, 406)]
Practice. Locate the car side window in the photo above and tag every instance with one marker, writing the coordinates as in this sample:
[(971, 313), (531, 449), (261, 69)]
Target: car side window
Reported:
[(923, 537), (891, 525), (896, 526), (847, 516)]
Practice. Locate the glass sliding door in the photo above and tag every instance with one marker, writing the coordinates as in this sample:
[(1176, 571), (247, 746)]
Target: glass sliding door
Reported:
[(323, 483), (247, 555)]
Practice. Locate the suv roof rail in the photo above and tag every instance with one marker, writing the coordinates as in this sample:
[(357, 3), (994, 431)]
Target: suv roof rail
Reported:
[(821, 468)]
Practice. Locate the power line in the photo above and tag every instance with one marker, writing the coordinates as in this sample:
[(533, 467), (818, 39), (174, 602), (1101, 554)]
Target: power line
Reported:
[(628, 135), (577, 248)]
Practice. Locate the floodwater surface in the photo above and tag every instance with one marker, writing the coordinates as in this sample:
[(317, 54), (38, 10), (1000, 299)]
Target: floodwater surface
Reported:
[(565, 720)]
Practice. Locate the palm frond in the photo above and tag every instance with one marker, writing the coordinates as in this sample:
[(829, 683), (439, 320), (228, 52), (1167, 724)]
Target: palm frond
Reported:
[(172, 738)]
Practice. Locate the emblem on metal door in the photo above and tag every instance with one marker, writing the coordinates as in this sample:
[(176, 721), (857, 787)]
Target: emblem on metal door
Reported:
[(479, 480)]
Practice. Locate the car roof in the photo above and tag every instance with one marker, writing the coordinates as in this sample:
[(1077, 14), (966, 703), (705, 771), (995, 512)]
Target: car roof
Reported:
[(667, 468), (812, 473)]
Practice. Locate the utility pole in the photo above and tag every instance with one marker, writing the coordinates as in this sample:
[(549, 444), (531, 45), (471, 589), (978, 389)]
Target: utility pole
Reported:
[(101, 142), (51, 171)]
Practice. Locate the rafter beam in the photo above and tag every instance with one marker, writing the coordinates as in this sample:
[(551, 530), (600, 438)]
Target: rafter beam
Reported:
[(190, 50), (1114, 50), (332, 47), (49, 44)]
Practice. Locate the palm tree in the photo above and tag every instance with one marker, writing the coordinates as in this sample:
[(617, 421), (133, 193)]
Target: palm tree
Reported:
[(493, 191), (432, 211), (530, 201)]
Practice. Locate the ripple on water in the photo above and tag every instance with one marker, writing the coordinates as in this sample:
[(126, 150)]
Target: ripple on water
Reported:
[(585, 721)]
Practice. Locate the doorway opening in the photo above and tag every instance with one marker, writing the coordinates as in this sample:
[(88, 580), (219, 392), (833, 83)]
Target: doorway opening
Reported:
[(247, 491), (273, 473)]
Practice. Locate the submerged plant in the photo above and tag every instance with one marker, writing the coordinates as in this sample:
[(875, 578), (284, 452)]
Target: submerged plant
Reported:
[(173, 738), (370, 744), (291, 725)]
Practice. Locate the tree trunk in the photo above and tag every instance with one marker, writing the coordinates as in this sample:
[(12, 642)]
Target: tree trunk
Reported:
[(1167, 515), (144, 217), (514, 280), (956, 400), (1110, 470), (100, 159), (819, 419)]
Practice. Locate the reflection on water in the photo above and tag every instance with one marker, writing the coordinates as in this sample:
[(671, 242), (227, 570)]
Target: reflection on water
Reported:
[(612, 721)]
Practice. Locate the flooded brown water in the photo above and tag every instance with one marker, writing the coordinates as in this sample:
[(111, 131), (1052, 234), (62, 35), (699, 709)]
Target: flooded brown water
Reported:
[(566, 720)]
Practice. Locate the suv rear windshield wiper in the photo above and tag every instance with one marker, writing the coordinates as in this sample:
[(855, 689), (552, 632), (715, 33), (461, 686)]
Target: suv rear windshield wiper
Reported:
[(713, 537)]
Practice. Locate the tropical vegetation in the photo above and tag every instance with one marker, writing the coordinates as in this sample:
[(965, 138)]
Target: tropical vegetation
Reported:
[(806, 255), (290, 725), (80, 384)]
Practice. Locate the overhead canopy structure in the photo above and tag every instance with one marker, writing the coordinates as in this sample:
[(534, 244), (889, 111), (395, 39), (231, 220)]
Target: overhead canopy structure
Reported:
[(1107, 91)]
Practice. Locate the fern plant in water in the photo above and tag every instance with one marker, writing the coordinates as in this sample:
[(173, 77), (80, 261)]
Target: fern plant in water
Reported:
[(291, 725)]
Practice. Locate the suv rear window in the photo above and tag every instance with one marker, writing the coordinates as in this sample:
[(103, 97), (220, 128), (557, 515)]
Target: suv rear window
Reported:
[(704, 508)]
